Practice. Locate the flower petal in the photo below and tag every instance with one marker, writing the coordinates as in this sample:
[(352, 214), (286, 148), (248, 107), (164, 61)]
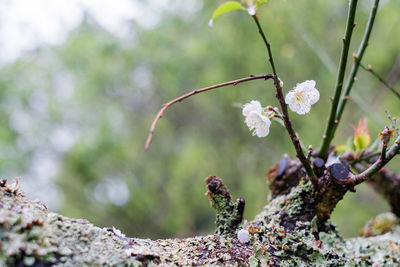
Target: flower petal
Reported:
[(254, 105), (302, 97), (252, 119), (309, 84), (259, 123), (300, 108), (290, 97), (312, 96), (262, 129)]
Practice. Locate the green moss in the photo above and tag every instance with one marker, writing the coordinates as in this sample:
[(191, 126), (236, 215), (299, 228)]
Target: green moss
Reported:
[(379, 225)]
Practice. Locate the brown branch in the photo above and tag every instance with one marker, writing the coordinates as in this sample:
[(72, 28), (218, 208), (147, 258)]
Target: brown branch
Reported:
[(285, 114), (383, 152), (284, 176), (377, 165), (229, 213), (194, 92)]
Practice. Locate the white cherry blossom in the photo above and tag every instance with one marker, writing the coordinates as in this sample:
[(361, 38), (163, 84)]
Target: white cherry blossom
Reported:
[(254, 105), (256, 119), (302, 97), (258, 123)]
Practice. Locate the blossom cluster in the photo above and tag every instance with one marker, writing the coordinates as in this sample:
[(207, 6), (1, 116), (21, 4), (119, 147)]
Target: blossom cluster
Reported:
[(300, 99), (256, 119)]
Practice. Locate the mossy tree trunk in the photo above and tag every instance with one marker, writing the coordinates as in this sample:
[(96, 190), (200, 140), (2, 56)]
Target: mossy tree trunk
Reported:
[(292, 229)]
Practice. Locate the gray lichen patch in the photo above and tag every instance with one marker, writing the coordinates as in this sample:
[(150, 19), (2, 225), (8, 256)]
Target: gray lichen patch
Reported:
[(382, 250), (229, 214), (30, 234), (275, 244), (379, 225)]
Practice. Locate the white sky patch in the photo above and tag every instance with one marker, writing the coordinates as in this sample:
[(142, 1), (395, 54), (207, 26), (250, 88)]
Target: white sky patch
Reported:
[(25, 24)]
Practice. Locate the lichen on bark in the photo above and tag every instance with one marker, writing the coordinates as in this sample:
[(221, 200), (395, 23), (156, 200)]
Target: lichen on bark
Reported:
[(282, 234), (229, 214)]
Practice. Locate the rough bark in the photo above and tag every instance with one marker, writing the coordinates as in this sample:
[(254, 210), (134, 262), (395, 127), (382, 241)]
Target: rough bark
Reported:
[(388, 184), (282, 234), (331, 185), (229, 214)]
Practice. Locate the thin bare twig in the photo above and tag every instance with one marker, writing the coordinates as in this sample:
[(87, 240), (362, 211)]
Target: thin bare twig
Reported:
[(284, 109), (377, 165), (383, 153), (194, 92), (383, 81), (393, 120), (380, 163), (384, 156)]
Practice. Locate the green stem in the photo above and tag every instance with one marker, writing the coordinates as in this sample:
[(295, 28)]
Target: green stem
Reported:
[(380, 163), (329, 130), (357, 62), (285, 114), (383, 81), (366, 157)]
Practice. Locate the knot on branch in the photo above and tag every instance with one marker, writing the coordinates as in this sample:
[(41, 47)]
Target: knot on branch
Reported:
[(229, 214), (331, 189), (339, 172), (285, 175), (318, 165)]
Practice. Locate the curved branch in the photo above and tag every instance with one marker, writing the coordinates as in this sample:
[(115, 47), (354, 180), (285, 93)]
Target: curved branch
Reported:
[(194, 92)]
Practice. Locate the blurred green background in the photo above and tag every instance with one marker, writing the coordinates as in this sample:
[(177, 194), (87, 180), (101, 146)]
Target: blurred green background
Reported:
[(75, 115)]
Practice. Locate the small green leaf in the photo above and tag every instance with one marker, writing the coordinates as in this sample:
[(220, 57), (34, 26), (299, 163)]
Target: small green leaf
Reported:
[(343, 148), (224, 8), (362, 141)]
